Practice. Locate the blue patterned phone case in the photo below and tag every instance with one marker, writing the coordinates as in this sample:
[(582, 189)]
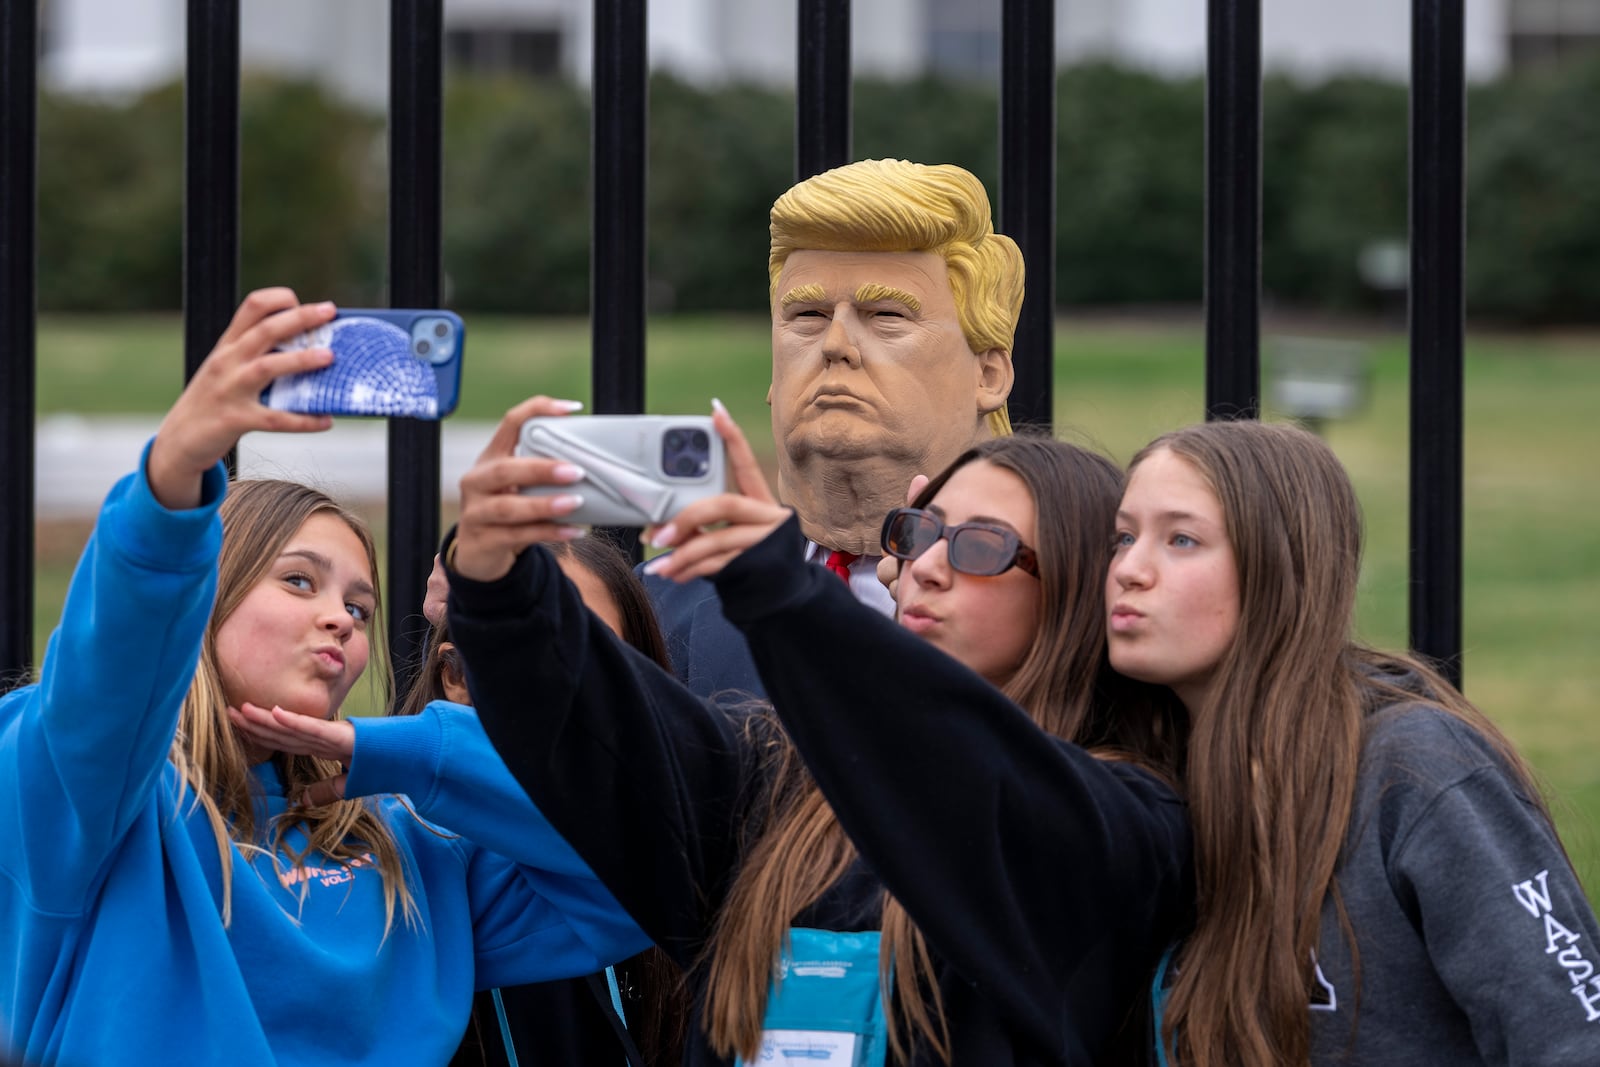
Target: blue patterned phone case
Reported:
[(387, 362)]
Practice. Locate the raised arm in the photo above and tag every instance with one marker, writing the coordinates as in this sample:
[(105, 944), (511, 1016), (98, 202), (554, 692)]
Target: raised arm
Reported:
[(641, 777), (81, 751), (1043, 874)]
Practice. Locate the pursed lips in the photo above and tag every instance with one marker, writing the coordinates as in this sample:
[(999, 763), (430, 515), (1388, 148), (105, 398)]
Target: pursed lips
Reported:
[(917, 618), (1124, 617), (331, 659), (827, 392)]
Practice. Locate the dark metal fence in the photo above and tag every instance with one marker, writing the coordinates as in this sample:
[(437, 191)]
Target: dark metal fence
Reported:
[(822, 140), (416, 271), (19, 109), (1233, 210), (1438, 306)]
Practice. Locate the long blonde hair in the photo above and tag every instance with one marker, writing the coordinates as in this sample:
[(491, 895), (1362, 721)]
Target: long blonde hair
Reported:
[(1065, 684), (258, 519), (893, 205), (1273, 757)]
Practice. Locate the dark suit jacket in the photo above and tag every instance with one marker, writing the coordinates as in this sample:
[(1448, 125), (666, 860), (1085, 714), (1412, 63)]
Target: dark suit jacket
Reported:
[(708, 653)]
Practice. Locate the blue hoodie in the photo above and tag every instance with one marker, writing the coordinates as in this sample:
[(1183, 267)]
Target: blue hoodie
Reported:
[(113, 945)]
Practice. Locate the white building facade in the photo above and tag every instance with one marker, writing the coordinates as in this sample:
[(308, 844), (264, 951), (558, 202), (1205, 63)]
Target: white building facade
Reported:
[(122, 46)]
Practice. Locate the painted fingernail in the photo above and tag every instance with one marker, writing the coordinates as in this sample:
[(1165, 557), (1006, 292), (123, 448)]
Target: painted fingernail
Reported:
[(664, 537), (655, 565), (326, 305), (572, 533), (567, 472), (716, 405), (565, 503), (568, 405)]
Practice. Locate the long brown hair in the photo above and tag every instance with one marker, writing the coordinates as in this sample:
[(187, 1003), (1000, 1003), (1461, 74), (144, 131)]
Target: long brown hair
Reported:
[(1273, 756), (1064, 683), (258, 519)]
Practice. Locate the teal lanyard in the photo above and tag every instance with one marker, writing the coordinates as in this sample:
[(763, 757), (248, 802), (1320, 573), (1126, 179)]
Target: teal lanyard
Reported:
[(1158, 1004), (505, 1025), (616, 994), (505, 1029)]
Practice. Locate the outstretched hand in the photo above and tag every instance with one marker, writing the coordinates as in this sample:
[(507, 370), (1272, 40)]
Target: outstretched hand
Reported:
[(497, 522), (222, 402), (707, 534), (277, 730)]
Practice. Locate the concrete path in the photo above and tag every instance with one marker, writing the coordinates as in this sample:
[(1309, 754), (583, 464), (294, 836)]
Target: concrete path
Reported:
[(78, 458)]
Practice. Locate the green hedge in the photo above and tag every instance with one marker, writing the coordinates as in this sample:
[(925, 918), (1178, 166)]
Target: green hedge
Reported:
[(1130, 180)]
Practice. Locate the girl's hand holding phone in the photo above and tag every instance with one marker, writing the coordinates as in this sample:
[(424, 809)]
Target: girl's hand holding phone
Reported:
[(707, 534), (222, 402), (497, 521)]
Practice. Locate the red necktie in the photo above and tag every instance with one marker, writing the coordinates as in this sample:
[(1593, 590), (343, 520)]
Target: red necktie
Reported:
[(839, 563)]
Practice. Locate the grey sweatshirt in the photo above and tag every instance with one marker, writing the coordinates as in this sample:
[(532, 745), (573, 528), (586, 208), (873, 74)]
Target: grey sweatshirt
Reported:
[(1477, 945)]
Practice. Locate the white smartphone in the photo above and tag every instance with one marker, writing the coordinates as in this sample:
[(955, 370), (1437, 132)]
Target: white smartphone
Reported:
[(638, 469)]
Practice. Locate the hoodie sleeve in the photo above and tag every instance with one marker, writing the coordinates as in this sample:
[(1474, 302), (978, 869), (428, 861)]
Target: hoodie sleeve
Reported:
[(1505, 922), (531, 925), (443, 761), (82, 750), (1042, 874), (646, 781)]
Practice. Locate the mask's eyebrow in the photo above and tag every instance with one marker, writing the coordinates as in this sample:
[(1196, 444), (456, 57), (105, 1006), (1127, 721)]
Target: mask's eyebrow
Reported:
[(875, 293), (811, 293)]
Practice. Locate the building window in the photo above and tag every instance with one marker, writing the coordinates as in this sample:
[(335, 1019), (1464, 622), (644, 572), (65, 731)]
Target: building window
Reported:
[(963, 39), (1545, 31), (522, 52)]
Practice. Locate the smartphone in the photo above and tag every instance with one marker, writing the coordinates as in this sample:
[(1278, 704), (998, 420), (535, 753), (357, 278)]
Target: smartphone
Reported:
[(387, 362), (638, 469)]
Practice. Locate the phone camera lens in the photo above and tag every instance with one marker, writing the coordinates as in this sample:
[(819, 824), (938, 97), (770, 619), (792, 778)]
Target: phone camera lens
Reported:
[(688, 466), (423, 347), (674, 441), (440, 329)]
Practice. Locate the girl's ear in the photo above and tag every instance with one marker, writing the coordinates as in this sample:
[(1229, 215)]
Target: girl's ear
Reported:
[(452, 679)]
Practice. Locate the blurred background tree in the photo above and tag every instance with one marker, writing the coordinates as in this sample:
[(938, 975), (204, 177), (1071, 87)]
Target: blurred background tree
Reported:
[(1130, 178)]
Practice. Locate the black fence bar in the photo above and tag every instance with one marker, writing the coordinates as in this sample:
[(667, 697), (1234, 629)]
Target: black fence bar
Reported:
[(416, 149), (618, 168), (1233, 209), (210, 179), (1438, 310), (19, 125), (822, 87), (1028, 194)]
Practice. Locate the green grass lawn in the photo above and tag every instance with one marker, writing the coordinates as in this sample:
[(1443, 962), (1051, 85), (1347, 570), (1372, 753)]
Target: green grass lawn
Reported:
[(1532, 537)]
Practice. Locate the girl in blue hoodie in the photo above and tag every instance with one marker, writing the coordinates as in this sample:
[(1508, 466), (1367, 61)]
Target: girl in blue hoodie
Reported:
[(165, 890)]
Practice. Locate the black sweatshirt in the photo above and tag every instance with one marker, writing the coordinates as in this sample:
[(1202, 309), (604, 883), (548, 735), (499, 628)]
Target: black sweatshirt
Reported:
[(1046, 882)]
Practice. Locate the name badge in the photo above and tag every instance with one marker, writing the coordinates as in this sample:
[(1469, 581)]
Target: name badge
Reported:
[(808, 1047), (825, 1003)]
